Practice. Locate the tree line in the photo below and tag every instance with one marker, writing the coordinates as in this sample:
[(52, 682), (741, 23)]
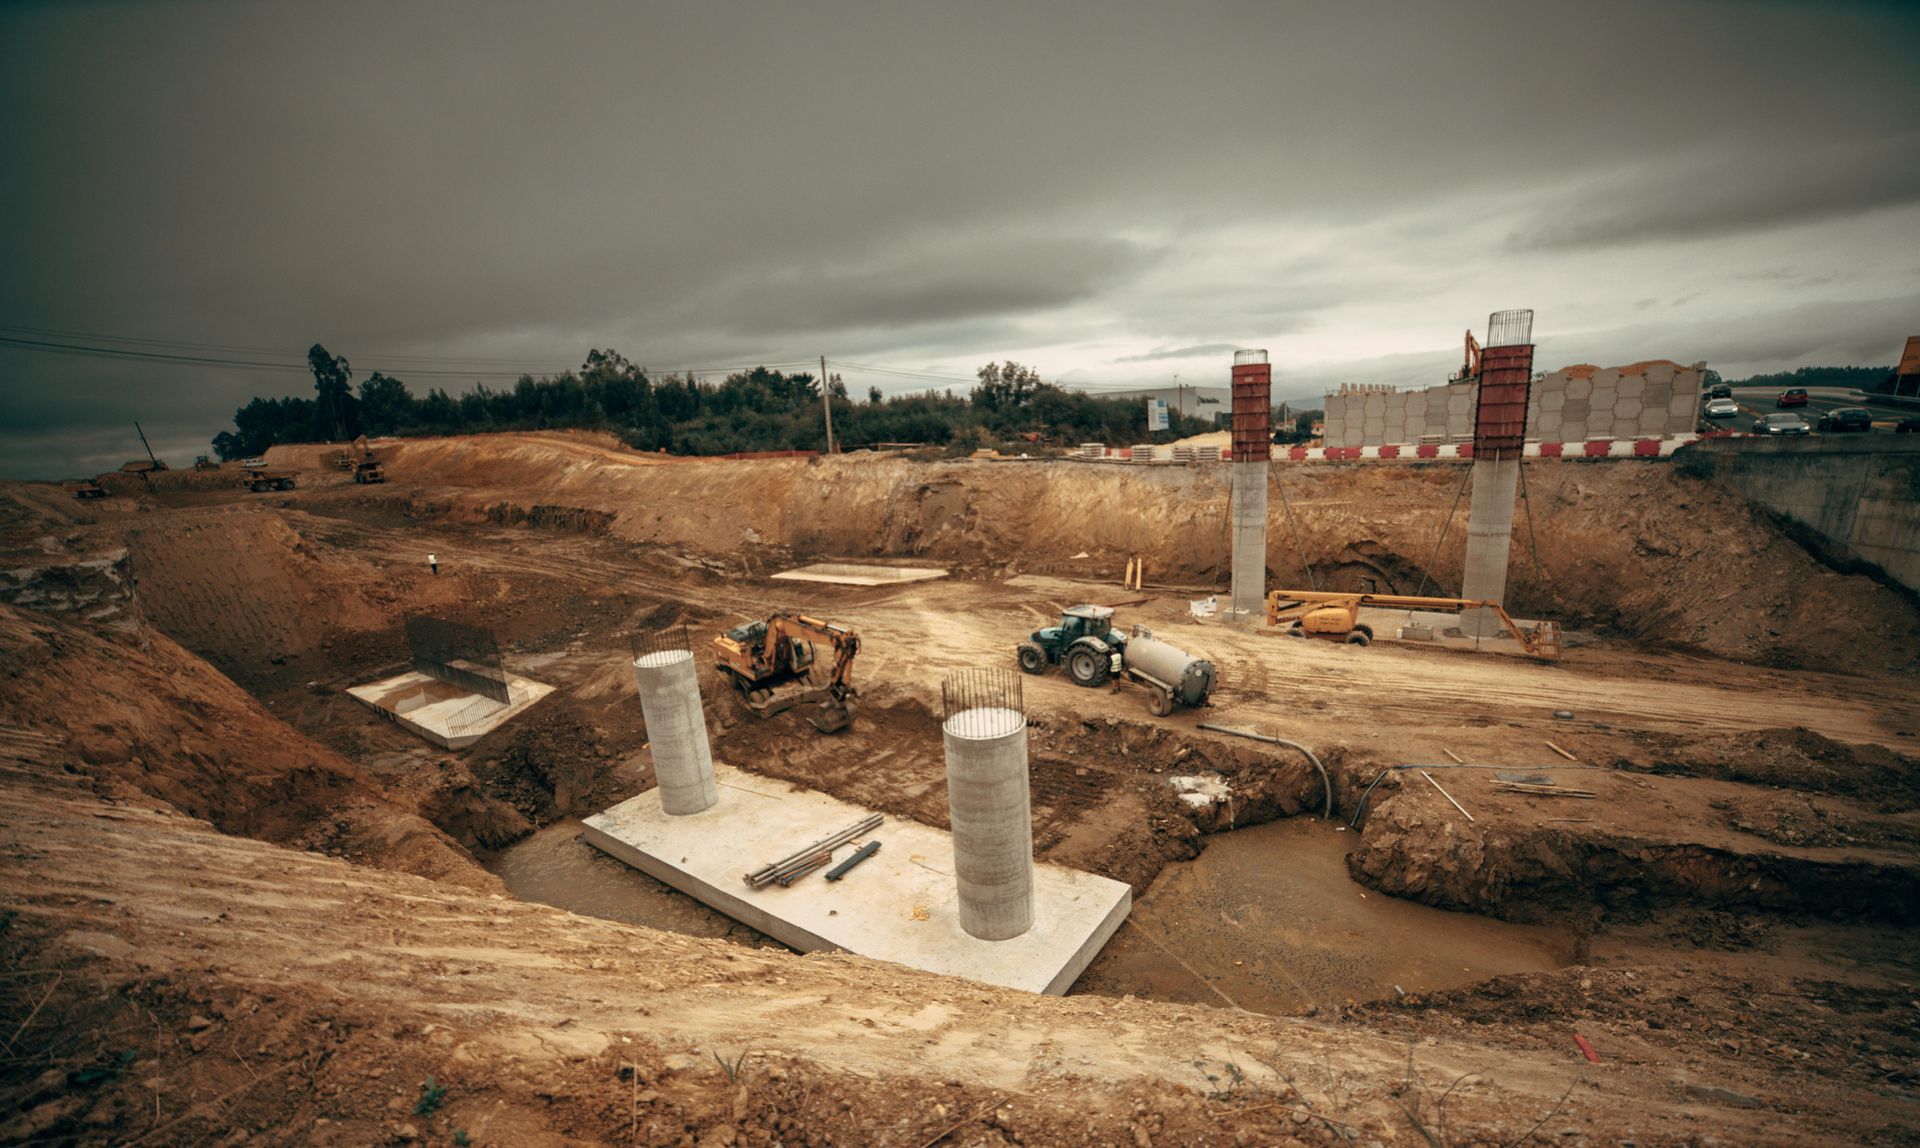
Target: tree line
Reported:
[(756, 410)]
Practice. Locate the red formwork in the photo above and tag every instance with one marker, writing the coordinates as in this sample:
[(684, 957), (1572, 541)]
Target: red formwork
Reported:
[(1252, 411), (1500, 418)]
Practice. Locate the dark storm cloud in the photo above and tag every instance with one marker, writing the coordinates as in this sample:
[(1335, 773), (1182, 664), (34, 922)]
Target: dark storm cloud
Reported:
[(1084, 185), (1754, 192), (942, 279)]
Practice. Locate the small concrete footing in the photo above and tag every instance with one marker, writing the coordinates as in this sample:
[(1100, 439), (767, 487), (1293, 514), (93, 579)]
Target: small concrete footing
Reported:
[(444, 714)]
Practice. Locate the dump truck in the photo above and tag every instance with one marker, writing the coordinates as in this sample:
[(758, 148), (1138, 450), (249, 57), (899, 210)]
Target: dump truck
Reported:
[(771, 663), (1335, 617), (1094, 653), (259, 479), (88, 488), (369, 470)]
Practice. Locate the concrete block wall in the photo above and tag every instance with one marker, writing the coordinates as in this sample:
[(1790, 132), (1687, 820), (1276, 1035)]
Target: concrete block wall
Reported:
[(1574, 404)]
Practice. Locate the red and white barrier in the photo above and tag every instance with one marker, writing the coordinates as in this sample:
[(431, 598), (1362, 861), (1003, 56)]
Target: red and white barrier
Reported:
[(1600, 448)]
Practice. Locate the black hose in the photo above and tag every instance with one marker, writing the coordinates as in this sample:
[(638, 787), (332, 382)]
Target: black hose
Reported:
[(1326, 783)]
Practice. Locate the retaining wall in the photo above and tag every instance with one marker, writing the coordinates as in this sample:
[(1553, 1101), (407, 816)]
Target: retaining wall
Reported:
[(1858, 495), (1574, 404)]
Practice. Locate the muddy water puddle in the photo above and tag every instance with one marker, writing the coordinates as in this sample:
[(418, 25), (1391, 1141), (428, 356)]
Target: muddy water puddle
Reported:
[(1267, 919), (555, 866)]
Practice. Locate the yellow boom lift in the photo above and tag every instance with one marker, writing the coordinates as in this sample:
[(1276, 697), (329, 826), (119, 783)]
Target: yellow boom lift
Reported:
[(1335, 617), (763, 659)]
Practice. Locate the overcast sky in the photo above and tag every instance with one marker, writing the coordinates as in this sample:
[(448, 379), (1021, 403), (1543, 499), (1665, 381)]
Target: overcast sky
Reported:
[(1114, 193)]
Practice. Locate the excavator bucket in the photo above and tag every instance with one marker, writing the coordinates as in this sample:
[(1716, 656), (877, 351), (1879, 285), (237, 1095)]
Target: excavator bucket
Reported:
[(831, 717)]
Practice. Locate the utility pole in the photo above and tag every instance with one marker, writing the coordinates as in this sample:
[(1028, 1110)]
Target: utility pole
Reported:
[(1179, 397), (826, 401)]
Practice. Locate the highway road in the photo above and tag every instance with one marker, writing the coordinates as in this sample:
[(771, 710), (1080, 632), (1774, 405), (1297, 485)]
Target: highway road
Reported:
[(1756, 402)]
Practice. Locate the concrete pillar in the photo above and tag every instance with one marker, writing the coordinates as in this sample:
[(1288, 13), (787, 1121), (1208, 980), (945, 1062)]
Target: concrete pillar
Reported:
[(677, 728), (1249, 541), (992, 818), (1489, 536)]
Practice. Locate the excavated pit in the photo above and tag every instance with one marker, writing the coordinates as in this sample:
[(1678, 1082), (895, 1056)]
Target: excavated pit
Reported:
[(1782, 859)]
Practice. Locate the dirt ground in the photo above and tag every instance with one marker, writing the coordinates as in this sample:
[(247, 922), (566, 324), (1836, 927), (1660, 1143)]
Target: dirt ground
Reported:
[(293, 921)]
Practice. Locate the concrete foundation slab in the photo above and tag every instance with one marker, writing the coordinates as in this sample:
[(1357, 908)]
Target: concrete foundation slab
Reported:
[(444, 714), (849, 574), (900, 905)]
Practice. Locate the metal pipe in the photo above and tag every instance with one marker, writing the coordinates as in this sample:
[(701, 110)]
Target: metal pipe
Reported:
[(840, 870), (1326, 782), (772, 871)]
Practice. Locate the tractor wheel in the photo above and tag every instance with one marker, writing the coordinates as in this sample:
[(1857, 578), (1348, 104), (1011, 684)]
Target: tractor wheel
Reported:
[(1087, 668), (1359, 638), (1295, 632), (259, 487), (1033, 659), (1159, 701)]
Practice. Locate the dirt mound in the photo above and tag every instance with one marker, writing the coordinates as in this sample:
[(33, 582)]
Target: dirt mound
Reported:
[(1795, 758), (308, 1000), (241, 587), (1576, 872), (137, 711)]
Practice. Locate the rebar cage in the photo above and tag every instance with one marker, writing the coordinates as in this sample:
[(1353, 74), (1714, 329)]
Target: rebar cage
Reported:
[(1249, 356), (982, 702), (668, 640), (1510, 328), (459, 655)]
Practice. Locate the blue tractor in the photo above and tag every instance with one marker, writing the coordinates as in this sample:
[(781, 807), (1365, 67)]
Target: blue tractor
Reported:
[(1084, 641)]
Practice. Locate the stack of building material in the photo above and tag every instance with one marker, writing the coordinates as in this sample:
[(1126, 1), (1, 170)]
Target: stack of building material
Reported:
[(1206, 454), (1093, 450), (1143, 452), (1182, 453)]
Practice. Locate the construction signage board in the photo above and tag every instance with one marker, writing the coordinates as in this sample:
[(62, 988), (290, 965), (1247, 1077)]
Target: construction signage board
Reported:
[(1156, 414)]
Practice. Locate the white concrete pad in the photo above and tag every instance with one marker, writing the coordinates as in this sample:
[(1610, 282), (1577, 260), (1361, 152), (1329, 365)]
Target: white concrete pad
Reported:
[(444, 714), (850, 574), (899, 905)]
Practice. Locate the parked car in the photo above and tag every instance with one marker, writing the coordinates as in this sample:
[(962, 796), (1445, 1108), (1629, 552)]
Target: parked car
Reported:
[(1792, 397), (1722, 408), (1720, 391), (1782, 423), (1908, 425), (1847, 419)]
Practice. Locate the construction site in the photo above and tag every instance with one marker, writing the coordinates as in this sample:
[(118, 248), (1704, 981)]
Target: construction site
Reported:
[(526, 789)]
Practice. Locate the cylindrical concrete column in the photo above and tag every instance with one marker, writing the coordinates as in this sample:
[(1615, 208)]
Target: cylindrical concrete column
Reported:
[(1249, 541), (1252, 442), (988, 804), (1489, 537), (663, 672)]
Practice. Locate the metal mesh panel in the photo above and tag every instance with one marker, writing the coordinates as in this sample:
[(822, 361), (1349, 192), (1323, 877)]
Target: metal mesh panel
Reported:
[(463, 656), (982, 702), (1510, 328)]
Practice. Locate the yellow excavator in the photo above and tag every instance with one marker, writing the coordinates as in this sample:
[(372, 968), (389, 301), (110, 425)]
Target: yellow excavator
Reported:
[(772, 664), (1335, 617)]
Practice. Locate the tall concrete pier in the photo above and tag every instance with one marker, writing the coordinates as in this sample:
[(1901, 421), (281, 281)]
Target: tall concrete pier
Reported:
[(663, 672), (1499, 438), (988, 804), (1252, 449)]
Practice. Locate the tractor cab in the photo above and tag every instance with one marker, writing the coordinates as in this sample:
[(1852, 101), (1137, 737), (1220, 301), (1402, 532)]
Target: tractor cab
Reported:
[(1085, 641)]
